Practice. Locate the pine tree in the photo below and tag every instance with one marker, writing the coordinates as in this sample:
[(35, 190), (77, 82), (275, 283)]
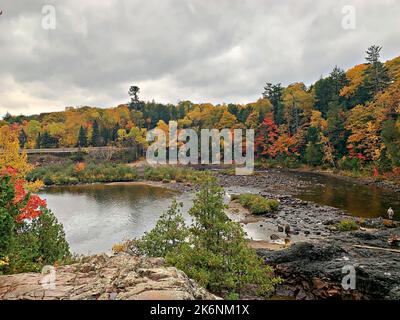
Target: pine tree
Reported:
[(376, 76), (23, 138), (275, 93), (39, 141), (96, 135), (134, 94), (391, 137), (82, 138)]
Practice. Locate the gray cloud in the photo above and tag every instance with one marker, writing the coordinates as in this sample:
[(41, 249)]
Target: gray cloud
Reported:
[(219, 51)]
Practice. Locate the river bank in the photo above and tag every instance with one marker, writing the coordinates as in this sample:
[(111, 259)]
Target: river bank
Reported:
[(307, 262), (312, 257)]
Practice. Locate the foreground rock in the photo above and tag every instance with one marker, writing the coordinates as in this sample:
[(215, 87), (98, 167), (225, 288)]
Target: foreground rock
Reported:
[(314, 270), (121, 277)]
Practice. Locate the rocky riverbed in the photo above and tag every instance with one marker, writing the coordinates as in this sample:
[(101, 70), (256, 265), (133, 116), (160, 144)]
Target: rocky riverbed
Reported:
[(312, 263)]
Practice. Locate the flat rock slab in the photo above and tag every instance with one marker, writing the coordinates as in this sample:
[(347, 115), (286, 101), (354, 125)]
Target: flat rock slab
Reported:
[(100, 277)]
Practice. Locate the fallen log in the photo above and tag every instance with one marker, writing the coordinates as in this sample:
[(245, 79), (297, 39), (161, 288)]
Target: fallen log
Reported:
[(376, 248)]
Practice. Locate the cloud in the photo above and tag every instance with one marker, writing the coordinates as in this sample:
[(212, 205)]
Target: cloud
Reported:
[(220, 51)]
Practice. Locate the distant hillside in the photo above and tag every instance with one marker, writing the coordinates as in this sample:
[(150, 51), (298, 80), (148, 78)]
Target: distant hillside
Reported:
[(347, 120)]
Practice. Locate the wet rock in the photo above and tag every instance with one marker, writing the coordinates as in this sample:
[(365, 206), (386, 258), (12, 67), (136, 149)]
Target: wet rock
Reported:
[(274, 237)]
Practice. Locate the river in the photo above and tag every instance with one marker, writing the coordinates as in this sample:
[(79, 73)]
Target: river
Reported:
[(97, 216)]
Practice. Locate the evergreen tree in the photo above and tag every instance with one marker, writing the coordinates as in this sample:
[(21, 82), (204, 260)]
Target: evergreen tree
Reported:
[(391, 137), (134, 94), (96, 135), (46, 140), (327, 90), (39, 141), (23, 138), (105, 136), (339, 80), (275, 93), (114, 134), (376, 76), (313, 154), (336, 132), (82, 138)]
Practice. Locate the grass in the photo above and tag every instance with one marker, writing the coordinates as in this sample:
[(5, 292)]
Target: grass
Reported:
[(171, 173), (256, 204), (68, 174), (347, 225)]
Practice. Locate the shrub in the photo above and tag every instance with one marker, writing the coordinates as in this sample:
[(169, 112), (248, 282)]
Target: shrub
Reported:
[(169, 173), (256, 204), (215, 252), (31, 237), (347, 225), (350, 164), (82, 173), (169, 233)]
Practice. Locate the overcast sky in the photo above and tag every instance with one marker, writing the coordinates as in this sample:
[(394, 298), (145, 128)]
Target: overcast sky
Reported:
[(202, 50)]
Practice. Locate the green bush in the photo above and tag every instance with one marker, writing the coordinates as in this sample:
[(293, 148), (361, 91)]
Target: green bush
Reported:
[(347, 225), (169, 173), (215, 253), (349, 164), (67, 174), (169, 233), (256, 204), (29, 244)]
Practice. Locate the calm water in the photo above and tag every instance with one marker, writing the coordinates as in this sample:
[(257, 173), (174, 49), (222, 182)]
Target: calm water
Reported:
[(358, 200), (97, 216)]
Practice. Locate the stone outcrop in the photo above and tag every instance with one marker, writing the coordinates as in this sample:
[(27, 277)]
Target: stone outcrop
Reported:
[(119, 277), (314, 270)]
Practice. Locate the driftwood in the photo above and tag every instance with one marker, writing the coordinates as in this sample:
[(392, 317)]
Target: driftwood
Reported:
[(376, 248)]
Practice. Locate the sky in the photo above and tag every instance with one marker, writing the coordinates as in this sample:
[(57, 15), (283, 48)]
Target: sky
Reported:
[(78, 53)]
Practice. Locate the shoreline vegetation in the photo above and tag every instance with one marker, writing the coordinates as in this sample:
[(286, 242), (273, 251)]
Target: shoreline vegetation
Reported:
[(78, 173)]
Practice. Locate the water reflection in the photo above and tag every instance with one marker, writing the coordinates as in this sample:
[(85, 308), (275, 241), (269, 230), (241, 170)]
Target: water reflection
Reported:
[(97, 216), (356, 199)]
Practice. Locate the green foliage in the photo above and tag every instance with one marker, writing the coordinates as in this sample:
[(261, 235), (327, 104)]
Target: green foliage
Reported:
[(216, 253), (169, 233), (391, 137), (169, 173), (96, 142), (256, 204), (28, 245), (347, 225), (313, 153), (349, 164), (376, 76), (67, 174), (82, 138)]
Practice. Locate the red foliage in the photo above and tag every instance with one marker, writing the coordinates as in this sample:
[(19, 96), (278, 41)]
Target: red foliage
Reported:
[(32, 209), (30, 206), (355, 155)]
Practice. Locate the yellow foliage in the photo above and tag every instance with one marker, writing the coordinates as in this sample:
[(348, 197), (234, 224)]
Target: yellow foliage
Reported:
[(4, 262), (119, 247), (34, 187), (10, 155), (356, 76), (317, 121)]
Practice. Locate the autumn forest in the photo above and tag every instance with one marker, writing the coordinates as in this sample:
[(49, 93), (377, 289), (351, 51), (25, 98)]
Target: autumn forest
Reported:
[(346, 120)]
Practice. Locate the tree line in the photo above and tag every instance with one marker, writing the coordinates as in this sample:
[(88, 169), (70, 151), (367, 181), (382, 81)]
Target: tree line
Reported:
[(348, 119)]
